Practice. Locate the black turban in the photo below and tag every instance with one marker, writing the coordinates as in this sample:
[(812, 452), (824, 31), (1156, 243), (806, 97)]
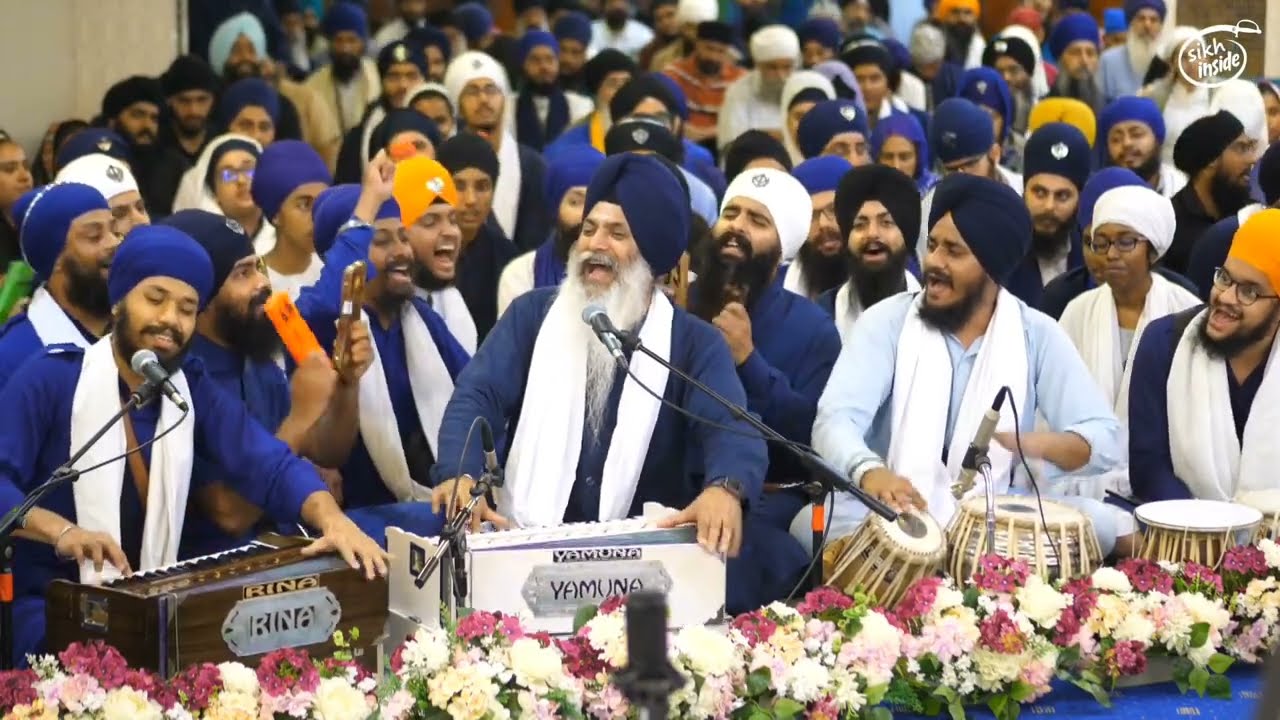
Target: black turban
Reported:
[(1204, 141), (402, 120), (879, 182), (466, 150), (606, 61), (753, 145), (224, 240), (135, 89), (638, 88), (188, 72), (639, 134)]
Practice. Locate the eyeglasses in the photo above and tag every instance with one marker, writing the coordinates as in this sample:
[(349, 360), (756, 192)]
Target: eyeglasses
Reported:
[(1124, 243), (486, 90), (1246, 293), (825, 213), (230, 175)]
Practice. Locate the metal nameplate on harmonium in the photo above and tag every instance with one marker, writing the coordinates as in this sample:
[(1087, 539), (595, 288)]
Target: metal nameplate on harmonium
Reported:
[(234, 605), (547, 574)]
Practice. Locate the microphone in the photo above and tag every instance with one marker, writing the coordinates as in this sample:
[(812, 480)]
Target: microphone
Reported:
[(595, 316), (490, 453), (146, 364), (976, 455)]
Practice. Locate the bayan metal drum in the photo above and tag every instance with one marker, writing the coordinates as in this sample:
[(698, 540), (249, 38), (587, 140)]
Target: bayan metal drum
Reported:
[(1062, 545), (883, 559), (1197, 531), (1266, 502)]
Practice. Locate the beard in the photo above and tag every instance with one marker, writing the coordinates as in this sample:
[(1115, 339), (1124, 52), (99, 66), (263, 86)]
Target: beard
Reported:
[(1049, 245), (87, 289), (191, 128), (541, 88), (249, 332), (723, 280), (949, 318), (625, 301), (958, 38), (426, 280), (127, 340), (1149, 169), (770, 91), (1227, 195), (239, 71), (344, 66), (1140, 51), (1230, 346), (1086, 90), (616, 19), (871, 285), (564, 240), (823, 272)]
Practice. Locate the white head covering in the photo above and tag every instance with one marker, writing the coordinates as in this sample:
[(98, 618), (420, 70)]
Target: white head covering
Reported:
[(1242, 99), (473, 65), (798, 81), (101, 172), (697, 11), (785, 198), (1173, 39), (775, 42), (1146, 211)]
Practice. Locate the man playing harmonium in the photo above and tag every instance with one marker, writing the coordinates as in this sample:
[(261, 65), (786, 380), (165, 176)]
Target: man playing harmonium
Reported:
[(585, 442), (1203, 403), (129, 514), (919, 370)]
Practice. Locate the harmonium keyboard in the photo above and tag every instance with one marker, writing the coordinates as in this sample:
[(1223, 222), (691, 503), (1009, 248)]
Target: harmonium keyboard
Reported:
[(234, 605)]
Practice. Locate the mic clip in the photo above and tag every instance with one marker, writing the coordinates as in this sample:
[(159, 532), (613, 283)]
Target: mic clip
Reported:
[(145, 394)]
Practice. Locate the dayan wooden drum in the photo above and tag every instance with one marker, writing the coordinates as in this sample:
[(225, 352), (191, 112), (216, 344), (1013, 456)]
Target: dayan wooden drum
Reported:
[(1266, 502), (1063, 544), (1197, 531), (883, 559)]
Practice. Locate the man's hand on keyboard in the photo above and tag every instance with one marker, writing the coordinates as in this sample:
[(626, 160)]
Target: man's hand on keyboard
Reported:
[(718, 515), (453, 501), (83, 545), (348, 540)]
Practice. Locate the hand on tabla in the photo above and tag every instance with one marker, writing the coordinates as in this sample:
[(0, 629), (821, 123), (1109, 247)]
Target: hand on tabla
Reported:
[(892, 489)]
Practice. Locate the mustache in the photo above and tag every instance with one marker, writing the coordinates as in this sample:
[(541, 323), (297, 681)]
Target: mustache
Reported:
[(938, 276), (589, 257), (174, 333), (736, 238)]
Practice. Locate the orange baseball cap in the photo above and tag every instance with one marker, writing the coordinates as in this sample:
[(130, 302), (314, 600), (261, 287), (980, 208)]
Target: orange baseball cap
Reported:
[(418, 182)]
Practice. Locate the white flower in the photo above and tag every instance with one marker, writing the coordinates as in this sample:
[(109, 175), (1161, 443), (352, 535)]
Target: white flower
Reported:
[(847, 694), (232, 703), (1204, 610), (809, 680), (1109, 579), (177, 712), (426, 652), (125, 703), (708, 652), (1137, 627), (996, 670), (1271, 551), (1040, 602), (237, 678), (782, 611), (535, 666), (336, 699), (946, 598), (608, 635)]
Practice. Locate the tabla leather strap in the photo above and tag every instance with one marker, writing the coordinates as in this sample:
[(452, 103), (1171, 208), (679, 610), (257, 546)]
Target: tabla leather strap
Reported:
[(137, 466)]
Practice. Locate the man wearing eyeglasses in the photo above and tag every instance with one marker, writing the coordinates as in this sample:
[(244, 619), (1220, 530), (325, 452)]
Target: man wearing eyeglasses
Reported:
[(1203, 407)]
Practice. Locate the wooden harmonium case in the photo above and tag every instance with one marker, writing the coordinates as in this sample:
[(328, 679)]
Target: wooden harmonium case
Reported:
[(235, 605)]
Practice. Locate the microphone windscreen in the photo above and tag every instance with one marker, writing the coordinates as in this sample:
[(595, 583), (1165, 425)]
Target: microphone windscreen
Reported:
[(646, 633), (141, 359), (591, 311)]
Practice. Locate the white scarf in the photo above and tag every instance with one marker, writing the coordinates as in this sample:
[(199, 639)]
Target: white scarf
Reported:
[(432, 385), (1091, 322), (448, 304), (544, 452), (795, 281), (52, 324), (506, 192), (97, 493), (921, 399), (849, 307), (1206, 454)]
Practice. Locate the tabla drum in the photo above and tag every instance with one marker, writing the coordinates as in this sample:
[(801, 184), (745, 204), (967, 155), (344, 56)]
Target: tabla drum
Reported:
[(1266, 502), (1062, 545), (1199, 531), (883, 559)]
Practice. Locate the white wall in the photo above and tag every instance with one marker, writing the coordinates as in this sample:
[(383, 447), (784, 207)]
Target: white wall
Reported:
[(58, 57)]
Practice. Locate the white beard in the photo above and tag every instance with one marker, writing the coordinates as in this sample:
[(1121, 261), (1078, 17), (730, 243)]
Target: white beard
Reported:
[(625, 301), (1141, 51)]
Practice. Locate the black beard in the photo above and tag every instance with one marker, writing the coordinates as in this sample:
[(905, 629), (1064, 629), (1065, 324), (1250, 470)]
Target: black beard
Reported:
[(123, 332), (747, 278), (250, 333), (958, 38), (952, 318), (1230, 346), (240, 71), (345, 67), (425, 279), (1228, 196), (87, 289), (1149, 170), (543, 89), (823, 272), (616, 19), (188, 132), (875, 284), (1049, 245), (564, 240), (709, 67)]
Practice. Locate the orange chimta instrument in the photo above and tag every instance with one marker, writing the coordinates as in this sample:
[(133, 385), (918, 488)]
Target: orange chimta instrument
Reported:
[(292, 329)]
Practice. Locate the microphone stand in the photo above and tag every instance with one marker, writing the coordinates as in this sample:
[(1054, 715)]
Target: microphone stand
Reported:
[(984, 466), (453, 546), (10, 524)]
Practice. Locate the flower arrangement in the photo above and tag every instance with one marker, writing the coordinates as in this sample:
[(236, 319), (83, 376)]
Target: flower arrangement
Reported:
[(999, 640)]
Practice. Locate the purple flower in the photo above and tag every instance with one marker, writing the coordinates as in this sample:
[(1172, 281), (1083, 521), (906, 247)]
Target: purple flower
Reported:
[(1146, 575), (1196, 574), (1245, 559), (197, 684), (1127, 658)]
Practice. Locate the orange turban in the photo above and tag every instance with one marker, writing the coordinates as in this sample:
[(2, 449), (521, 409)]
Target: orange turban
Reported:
[(1066, 110), (418, 182), (1257, 243), (944, 8)]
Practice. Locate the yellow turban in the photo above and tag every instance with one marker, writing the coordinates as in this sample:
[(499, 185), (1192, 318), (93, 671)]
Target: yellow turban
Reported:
[(943, 10), (1067, 110), (1256, 243)]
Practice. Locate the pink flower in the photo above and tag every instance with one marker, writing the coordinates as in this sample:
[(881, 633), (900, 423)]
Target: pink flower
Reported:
[(612, 604), (197, 684), (755, 627), (918, 600), (1083, 600), (609, 704), (581, 660), (825, 709), (17, 687), (97, 660), (477, 625), (544, 638), (1245, 559), (74, 690), (282, 671), (823, 599), (1126, 658), (1000, 633), (1000, 575), (1146, 575), (1196, 574), (1038, 675), (510, 627)]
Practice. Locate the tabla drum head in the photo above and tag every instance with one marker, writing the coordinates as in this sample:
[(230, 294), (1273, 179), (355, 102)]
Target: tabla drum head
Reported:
[(1198, 515)]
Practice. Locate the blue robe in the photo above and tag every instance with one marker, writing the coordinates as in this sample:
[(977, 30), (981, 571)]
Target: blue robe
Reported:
[(320, 305), (1151, 471), (19, 343), (35, 438), (683, 455)]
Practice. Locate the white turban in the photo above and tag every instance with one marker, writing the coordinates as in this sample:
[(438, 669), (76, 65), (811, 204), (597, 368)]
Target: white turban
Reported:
[(692, 12), (101, 172), (784, 197), (1141, 209), (775, 42), (473, 65)]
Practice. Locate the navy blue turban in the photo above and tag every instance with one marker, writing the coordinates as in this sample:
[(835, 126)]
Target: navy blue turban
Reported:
[(475, 20), (826, 120), (346, 17), (402, 51), (822, 30), (1131, 8), (652, 199), (429, 36), (331, 210), (573, 167), (960, 130), (639, 134), (402, 120), (90, 141), (243, 93), (223, 239), (159, 251), (986, 87), (991, 217), (821, 174), (1132, 107), (1057, 149), (46, 216), (573, 25), (1076, 27), (1102, 181), (282, 168)]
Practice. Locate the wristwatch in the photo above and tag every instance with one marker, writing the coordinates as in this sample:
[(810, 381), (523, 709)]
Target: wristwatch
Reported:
[(734, 487)]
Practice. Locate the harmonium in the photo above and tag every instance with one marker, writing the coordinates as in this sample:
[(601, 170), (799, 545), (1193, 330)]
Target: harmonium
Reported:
[(236, 605)]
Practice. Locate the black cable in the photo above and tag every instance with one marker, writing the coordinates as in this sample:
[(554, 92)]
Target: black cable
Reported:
[(1031, 478), (466, 443), (817, 552)]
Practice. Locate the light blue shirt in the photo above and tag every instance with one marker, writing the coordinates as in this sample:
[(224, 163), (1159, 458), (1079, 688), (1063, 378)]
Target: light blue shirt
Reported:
[(702, 200), (1117, 75), (855, 411)]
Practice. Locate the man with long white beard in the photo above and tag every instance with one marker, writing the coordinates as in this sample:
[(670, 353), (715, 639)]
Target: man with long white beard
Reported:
[(1203, 401), (585, 441), (1074, 42), (919, 370), (1123, 67), (877, 209), (754, 101), (820, 262), (1133, 130)]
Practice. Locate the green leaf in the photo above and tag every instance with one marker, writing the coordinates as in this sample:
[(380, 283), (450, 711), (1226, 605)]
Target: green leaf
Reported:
[(956, 708), (786, 708), (759, 713), (880, 713), (1099, 694), (998, 703), (1220, 663), (585, 614), (1199, 680), (1021, 692), (758, 682), (1219, 687), (1199, 634)]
